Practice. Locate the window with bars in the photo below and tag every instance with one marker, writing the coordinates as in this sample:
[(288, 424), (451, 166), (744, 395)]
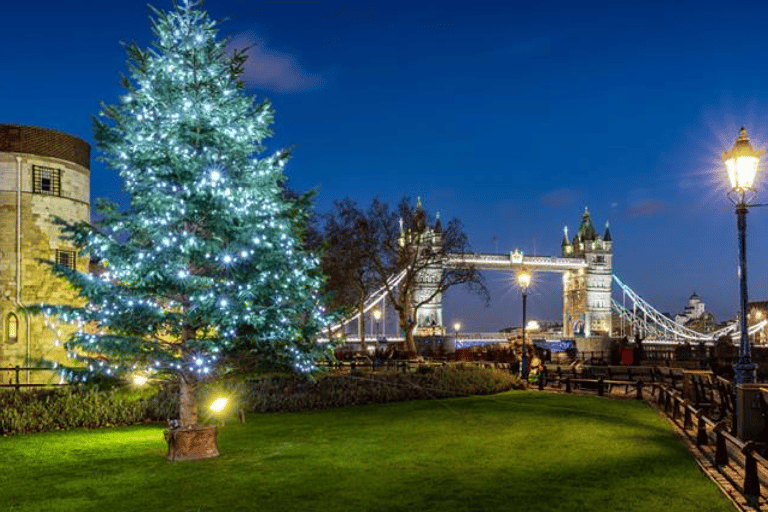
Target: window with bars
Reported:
[(66, 258), (46, 180), (11, 328)]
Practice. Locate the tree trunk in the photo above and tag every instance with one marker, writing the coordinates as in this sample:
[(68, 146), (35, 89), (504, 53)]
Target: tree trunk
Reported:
[(187, 400), (361, 323), (407, 327)]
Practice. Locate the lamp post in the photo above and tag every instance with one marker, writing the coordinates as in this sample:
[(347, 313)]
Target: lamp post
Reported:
[(742, 163), (524, 281), (456, 327)]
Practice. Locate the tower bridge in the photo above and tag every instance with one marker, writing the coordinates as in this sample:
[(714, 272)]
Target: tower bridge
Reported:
[(586, 266), (585, 263)]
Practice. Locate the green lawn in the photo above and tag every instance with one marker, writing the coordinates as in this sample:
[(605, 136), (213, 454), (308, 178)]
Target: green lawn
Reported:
[(524, 451)]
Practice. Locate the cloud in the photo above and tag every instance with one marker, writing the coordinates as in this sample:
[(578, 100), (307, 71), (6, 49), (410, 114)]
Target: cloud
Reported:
[(272, 70), (645, 209), (561, 196)]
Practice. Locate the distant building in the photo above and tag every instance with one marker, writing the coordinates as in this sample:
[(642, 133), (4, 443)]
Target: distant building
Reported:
[(43, 174), (693, 311)]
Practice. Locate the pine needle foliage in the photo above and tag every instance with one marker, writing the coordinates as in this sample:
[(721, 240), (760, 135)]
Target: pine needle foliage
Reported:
[(207, 261)]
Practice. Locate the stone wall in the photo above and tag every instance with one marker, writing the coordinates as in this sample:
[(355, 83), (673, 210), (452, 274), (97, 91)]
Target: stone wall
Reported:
[(40, 238)]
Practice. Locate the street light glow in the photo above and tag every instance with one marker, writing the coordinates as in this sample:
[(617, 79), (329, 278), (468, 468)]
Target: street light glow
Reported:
[(456, 325), (742, 162), (219, 404), (376, 314), (139, 380), (524, 278)]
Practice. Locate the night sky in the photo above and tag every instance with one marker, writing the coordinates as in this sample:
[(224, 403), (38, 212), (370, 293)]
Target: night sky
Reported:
[(512, 118)]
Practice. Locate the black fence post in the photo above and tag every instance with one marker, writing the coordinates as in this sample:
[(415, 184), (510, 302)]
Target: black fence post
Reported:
[(639, 385), (751, 479), (600, 386), (701, 436), (721, 451), (542, 376), (18, 383), (568, 384), (687, 423)]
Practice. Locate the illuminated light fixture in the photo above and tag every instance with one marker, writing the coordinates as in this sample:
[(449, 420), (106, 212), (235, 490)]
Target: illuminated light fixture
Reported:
[(456, 325), (139, 380), (376, 314), (533, 325), (742, 163), (524, 278), (219, 404)]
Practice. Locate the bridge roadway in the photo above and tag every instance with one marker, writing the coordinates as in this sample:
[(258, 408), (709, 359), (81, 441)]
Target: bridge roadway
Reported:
[(514, 260)]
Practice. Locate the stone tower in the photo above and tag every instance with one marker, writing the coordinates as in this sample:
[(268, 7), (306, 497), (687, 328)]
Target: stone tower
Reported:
[(429, 317), (43, 174), (587, 292)]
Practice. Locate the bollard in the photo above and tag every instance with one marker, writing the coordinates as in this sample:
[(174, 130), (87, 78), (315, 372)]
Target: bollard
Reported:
[(639, 385), (721, 451), (568, 384), (701, 436), (667, 402), (687, 423), (542, 376), (661, 395), (751, 479), (600, 386)]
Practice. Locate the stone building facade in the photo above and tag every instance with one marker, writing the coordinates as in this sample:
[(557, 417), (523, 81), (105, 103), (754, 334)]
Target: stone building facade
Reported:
[(587, 292), (44, 174)]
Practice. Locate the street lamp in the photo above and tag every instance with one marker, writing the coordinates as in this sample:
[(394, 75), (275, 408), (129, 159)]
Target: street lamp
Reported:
[(524, 281), (742, 163), (377, 316)]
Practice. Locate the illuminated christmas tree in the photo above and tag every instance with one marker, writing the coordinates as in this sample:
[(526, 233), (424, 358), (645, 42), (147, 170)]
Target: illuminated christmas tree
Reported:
[(207, 261)]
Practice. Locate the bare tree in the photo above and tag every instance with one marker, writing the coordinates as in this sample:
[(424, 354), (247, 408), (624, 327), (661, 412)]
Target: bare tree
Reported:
[(348, 242), (388, 242)]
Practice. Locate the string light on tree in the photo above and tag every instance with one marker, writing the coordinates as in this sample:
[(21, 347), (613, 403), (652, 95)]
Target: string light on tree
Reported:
[(207, 261)]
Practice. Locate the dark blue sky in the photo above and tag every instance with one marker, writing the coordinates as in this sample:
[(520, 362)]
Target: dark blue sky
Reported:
[(512, 118)]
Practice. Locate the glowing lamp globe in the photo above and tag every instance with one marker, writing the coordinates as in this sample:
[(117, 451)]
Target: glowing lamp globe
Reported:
[(456, 326), (139, 380), (376, 314), (742, 162), (524, 279)]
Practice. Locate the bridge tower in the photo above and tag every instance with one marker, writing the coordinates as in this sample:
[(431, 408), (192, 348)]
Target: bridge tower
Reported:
[(587, 292), (423, 237)]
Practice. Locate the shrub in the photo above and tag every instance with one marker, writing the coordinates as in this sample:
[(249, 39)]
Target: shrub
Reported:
[(70, 407), (33, 411), (287, 393)]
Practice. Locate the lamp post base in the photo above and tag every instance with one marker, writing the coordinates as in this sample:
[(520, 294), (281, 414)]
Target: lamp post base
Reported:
[(745, 371)]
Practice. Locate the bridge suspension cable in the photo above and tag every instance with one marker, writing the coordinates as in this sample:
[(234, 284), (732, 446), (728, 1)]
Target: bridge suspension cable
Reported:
[(661, 326), (377, 297)]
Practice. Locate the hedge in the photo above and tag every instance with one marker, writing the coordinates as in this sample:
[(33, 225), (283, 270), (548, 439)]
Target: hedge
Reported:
[(70, 407)]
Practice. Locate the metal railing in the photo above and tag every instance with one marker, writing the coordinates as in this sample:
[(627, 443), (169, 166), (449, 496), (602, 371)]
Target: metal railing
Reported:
[(15, 381), (728, 449)]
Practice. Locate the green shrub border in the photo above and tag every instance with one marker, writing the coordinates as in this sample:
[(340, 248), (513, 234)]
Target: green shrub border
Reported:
[(90, 407)]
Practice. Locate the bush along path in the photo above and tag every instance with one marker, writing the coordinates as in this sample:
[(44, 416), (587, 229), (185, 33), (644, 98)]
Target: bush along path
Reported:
[(71, 407)]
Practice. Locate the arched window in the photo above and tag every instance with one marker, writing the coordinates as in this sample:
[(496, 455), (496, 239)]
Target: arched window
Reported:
[(12, 328)]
